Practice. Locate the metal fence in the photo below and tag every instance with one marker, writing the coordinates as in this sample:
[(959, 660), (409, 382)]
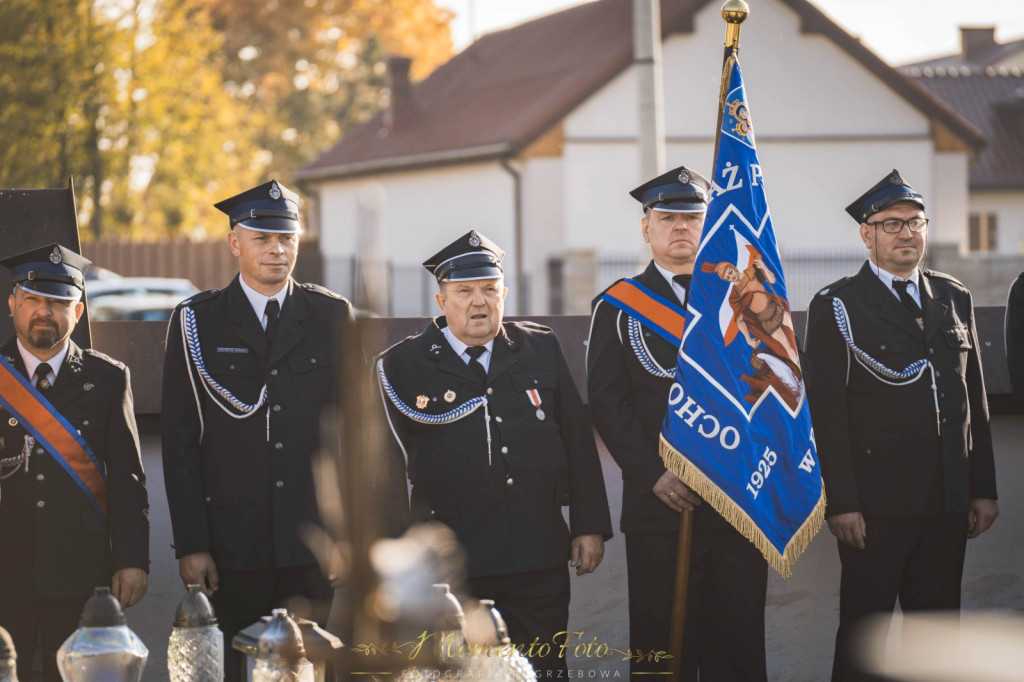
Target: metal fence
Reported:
[(209, 264)]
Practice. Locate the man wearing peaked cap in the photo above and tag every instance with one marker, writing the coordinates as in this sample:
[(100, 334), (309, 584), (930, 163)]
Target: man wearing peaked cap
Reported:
[(247, 373), (72, 487), (630, 370), (900, 420), (498, 441)]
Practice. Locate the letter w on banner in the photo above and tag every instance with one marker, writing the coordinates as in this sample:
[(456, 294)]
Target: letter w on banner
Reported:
[(738, 429)]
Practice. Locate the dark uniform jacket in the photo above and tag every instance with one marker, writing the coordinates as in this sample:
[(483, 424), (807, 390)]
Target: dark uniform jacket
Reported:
[(879, 444), (53, 544), (628, 405), (1014, 326), (241, 488), (506, 513)]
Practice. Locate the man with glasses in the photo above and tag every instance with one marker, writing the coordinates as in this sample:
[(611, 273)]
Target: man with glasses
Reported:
[(900, 420)]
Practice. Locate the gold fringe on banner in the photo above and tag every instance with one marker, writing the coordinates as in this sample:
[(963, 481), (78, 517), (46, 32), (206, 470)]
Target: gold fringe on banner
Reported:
[(688, 473)]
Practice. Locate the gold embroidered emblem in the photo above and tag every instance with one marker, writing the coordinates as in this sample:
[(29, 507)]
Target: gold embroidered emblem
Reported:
[(741, 115)]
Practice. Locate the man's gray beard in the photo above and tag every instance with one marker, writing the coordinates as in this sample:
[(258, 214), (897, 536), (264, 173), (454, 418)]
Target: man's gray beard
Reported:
[(43, 338)]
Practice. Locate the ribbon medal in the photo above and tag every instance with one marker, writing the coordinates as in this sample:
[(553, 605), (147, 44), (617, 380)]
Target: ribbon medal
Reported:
[(534, 396)]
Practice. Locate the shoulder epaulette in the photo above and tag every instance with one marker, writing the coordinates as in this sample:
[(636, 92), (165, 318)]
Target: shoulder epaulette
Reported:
[(394, 346), (945, 276), (199, 298), (831, 289), (103, 357), (323, 291), (527, 325)]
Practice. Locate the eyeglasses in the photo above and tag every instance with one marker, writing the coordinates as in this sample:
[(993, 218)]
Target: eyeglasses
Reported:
[(895, 225)]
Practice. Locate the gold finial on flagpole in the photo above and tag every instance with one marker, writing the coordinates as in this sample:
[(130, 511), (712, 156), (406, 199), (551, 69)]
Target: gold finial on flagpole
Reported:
[(735, 13)]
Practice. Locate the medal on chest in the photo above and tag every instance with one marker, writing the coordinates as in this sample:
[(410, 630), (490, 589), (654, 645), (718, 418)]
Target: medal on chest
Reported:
[(534, 396)]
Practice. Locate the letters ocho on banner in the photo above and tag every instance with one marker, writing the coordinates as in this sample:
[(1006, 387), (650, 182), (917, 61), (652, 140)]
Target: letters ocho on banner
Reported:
[(738, 429)]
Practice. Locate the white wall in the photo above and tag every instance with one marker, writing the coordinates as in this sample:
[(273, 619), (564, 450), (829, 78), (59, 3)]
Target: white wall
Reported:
[(827, 129), (1009, 209), (422, 211)]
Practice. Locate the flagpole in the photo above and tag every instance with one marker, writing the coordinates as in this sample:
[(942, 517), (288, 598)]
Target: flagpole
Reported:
[(734, 12)]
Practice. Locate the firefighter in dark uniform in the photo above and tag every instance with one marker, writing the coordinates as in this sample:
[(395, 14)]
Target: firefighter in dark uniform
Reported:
[(630, 370), (497, 442), (900, 419), (247, 373), (1014, 330), (72, 517)]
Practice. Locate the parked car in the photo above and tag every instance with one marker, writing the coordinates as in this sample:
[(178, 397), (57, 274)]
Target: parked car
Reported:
[(136, 298)]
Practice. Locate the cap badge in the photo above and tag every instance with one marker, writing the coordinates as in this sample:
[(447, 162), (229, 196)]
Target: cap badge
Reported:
[(449, 396), (474, 241), (422, 401), (684, 177), (55, 257), (275, 191)]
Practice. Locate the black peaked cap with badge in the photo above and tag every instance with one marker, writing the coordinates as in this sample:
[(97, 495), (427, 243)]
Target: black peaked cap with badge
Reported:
[(270, 207), (680, 190), (54, 271), (889, 190), (472, 256)]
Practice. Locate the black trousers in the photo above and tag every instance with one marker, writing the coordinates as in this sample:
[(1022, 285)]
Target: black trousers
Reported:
[(535, 606), (723, 638), (245, 596), (919, 561), (50, 620)]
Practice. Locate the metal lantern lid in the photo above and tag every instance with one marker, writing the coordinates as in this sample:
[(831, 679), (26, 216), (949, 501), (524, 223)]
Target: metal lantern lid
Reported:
[(500, 628), (7, 652), (102, 610), (451, 614), (281, 637), (194, 610)]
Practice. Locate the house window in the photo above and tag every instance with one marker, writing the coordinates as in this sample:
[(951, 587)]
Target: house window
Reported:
[(982, 235)]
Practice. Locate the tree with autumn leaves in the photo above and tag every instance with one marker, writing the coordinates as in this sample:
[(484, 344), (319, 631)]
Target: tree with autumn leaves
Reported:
[(159, 108)]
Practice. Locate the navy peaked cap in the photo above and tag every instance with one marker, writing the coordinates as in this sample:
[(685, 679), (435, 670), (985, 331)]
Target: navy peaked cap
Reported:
[(886, 192), (680, 190), (471, 256), (55, 271), (271, 207)]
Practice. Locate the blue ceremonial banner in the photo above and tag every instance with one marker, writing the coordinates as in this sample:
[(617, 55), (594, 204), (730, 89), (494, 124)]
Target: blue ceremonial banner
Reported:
[(738, 429)]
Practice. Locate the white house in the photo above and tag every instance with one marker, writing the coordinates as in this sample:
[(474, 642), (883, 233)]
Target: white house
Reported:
[(984, 82), (530, 136)]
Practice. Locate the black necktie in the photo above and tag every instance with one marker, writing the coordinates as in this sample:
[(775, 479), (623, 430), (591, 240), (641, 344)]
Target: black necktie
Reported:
[(683, 281), (271, 311), (908, 301), (474, 352), (43, 384)]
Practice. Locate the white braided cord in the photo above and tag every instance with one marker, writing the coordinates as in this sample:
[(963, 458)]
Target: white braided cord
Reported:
[(463, 410), (642, 353), (909, 375), (218, 394)]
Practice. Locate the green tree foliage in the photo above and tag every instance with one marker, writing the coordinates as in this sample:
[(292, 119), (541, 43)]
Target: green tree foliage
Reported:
[(319, 63), (159, 108)]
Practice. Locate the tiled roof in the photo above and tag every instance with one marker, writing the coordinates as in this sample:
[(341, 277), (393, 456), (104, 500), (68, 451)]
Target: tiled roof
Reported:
[(993, 100), (511, 86)]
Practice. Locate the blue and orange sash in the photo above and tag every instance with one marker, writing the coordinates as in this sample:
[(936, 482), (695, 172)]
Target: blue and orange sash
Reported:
[(656, 312), (53, 432)]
